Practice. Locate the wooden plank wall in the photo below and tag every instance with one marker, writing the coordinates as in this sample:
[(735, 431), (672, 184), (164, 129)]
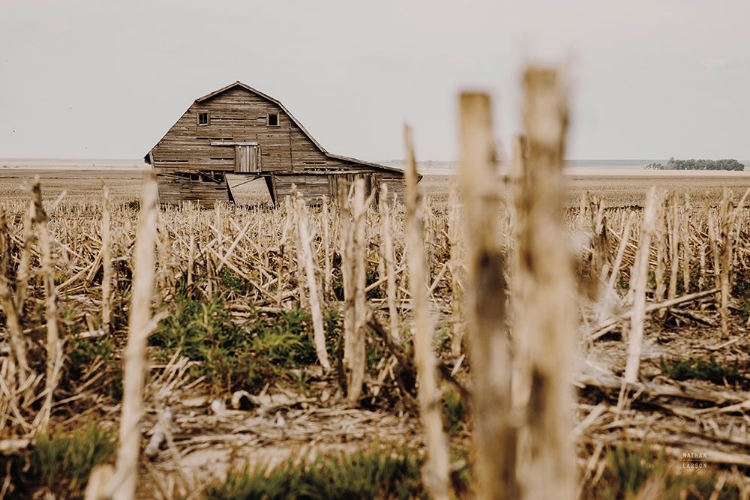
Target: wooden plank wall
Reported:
[(395, 184), (313, 187), (175, 189)]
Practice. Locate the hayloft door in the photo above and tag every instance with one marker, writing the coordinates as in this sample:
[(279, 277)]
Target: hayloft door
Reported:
[(246, 159)]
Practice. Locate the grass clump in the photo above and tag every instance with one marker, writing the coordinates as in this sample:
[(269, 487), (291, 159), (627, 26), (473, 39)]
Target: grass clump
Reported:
[(233, 357), (231, 281), (741, 290), (454, 411), (204, 332), (702, 369), (364, 474), (95, 361), (629, 473), (63, 463)]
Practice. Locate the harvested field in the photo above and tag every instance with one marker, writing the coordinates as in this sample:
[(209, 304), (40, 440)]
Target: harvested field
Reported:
[(228, 407)]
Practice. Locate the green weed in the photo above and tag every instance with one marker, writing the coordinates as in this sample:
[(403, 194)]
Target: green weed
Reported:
[(232, 357), (205, 333), (85, 353), (702, 369), (63, 463), (372, 276), (232, 281), (454, 411), (627, 472), (364, 474), (741, 290)]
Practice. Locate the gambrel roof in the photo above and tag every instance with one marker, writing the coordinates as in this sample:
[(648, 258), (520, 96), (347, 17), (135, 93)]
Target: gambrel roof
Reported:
[(267, 97)]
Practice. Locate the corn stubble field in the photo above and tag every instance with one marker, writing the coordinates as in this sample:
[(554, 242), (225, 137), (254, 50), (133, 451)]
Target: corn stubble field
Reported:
[(490, 331)]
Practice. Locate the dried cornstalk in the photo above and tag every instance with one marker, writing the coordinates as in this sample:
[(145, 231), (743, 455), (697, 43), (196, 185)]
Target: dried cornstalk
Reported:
[(674, 265), (380, 245), (20, 369), (454, 267), (54, 343), (353, 243), (725, 260), (713, 240), (620, 252), (191, 263), (436, 469), (638, 285), (583, 211), (123, 484), (387, 258), (4, 243), (280, 257), (327, 291), (319, 333), (685, 242), (294, 217), (702, 261), (98, 482), (24, 262), (106, 262), (544, 312), (660, 236), (495, 434), (600, 260), (429, 233)]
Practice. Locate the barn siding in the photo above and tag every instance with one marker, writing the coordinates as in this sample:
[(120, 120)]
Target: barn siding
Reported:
[(314, 186), (236, 115), (174, 189)]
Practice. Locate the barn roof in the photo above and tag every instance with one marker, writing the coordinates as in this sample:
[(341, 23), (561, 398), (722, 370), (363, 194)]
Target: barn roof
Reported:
[(290, 115), (266, 97)]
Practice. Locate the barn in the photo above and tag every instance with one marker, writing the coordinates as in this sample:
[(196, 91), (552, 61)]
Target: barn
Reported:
[(240, 130)]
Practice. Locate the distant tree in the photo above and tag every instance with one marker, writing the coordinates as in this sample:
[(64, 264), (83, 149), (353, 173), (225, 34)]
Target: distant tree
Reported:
[(672, 164)]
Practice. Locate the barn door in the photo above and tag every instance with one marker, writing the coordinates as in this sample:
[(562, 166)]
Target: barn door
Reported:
[(246, 159)]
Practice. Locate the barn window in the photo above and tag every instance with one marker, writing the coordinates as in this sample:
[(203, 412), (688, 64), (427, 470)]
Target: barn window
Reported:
[(273, 119), (203, 118)]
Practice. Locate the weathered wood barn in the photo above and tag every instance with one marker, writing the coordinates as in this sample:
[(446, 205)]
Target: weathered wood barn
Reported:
[(240, 130)]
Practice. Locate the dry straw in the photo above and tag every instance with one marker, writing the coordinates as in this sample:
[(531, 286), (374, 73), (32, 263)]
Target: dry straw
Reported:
[(638, 285), (545, 310), (305, 243), (353, 245), (124, 482), (494, 431), (436, 470), (54, 343), (106, 262), (387, 258)]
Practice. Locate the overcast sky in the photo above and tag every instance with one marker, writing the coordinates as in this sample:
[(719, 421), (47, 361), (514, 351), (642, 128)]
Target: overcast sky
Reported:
[(651, 78)]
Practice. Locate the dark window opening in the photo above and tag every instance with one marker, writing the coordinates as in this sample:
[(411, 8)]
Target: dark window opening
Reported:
[(273, 120), (202, 118)]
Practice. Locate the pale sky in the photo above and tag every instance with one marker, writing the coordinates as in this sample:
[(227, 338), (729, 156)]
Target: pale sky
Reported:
[(106, 79)]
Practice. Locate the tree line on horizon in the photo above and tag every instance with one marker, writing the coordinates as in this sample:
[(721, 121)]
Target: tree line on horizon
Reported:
[(672, 164)]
